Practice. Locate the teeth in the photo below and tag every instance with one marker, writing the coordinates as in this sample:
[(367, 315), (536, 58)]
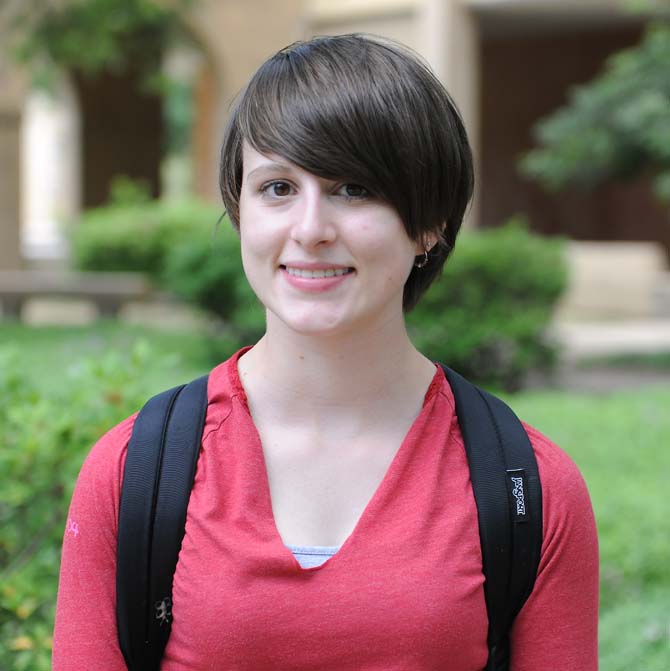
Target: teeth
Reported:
[(317, 274)]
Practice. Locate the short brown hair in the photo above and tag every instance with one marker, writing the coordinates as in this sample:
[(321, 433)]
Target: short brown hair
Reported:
[(365, 109)]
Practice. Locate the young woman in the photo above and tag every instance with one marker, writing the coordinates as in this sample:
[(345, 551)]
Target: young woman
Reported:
[(332, 523)]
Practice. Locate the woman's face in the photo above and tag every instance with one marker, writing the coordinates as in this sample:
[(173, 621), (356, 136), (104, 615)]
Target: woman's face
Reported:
[(322, 256)]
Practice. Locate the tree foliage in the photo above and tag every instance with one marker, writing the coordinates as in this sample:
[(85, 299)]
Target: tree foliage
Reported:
[(616, 126), (94, 35)]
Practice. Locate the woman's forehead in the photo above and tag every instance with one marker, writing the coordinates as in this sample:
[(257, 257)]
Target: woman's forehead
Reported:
[(253, 159)]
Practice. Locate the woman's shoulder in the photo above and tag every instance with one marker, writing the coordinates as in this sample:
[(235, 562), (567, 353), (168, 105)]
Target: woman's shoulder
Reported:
[(104, 463), (109, 452), (567, 511), (558, 470), (558, 624)]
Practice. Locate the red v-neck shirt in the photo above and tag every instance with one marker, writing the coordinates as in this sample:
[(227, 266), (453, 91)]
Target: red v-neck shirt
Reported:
[(404, 591)]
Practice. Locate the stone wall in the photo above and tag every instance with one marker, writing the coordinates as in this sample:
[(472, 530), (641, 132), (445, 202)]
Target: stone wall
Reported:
[(12, 85)]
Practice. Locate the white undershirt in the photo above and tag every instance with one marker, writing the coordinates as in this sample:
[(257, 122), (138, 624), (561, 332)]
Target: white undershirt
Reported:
[(309, 556)]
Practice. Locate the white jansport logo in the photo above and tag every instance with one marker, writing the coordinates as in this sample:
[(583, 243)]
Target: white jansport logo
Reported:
[(519, 496)]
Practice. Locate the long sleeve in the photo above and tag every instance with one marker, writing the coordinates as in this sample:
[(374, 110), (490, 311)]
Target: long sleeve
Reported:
[(557, 628), (85, 634)]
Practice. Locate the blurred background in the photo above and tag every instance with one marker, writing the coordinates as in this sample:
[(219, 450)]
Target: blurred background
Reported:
[(115, 281)]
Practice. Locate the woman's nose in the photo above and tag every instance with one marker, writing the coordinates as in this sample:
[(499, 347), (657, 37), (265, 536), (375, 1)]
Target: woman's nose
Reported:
[(313, 224)]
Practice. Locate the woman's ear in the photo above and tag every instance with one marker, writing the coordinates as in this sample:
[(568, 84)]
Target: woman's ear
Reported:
[(420, 247), (426, 243), (429, 239)]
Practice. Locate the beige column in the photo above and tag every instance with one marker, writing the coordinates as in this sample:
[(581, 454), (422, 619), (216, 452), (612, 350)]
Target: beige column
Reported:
[(10, 125), (452, 46), (236, 37)]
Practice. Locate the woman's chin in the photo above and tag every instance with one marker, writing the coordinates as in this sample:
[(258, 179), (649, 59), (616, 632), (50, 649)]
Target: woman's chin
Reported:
[(310, 322)]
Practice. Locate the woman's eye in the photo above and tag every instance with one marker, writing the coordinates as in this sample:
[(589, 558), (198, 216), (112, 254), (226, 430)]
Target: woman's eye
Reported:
[(278, 189), (354, 191)]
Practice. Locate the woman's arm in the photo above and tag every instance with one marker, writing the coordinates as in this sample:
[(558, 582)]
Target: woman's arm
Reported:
[(557, 628), (85, 635)]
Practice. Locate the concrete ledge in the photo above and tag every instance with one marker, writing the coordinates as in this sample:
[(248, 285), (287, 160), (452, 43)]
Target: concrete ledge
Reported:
[(108, 291), (580, 340), (662, 296), (613, 280)]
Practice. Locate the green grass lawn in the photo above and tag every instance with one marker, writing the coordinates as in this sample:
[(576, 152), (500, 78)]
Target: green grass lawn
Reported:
[(659, 361), (619, 440), (49, 353)]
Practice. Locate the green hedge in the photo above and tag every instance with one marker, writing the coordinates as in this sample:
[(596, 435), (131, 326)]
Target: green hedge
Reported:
[(43, 440), (207, 271), (137, 235), (183, 249), (487, 316)]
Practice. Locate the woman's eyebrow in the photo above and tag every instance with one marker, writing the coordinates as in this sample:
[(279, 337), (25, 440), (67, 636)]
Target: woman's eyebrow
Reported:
[(271, 168)]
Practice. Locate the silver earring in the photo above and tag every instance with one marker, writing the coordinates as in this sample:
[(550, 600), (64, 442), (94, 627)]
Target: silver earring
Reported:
[(424, 260)]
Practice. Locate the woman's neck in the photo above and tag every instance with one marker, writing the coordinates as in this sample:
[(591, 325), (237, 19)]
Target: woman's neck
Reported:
[(329, 378)]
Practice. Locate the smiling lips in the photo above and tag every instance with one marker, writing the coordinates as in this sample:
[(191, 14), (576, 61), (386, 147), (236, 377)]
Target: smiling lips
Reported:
[(316, 274), (315, 277)]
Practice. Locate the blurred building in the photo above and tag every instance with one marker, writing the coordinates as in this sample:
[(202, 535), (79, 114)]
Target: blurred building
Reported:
[(507, 63)]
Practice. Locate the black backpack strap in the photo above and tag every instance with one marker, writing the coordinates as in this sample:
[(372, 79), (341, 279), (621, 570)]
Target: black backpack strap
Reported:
[(157, 481), (508, 494)]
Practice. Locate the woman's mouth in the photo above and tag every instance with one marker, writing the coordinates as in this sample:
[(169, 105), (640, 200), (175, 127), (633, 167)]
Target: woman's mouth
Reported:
[(316, 274), (315, 280)]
